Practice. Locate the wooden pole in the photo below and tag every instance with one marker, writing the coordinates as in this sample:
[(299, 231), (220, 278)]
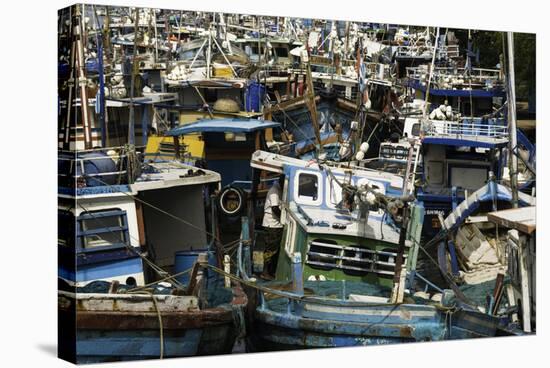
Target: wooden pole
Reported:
[(524, 277), (310, 100), (156, 36), (400, 271), (429, 84), (209, 53), (82, 80), (72, 66), (101, 93), (513, 161), (131, 122), (297, 280)]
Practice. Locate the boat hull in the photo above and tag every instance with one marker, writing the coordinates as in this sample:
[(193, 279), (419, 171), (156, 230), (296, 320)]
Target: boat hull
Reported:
[(325, 326), (98, 345), (115, 335)]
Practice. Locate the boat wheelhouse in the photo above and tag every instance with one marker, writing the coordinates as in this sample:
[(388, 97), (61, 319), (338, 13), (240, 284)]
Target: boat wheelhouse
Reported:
[(275, 51), (458, 157), (318, 220), (229, 143), (107, 224)]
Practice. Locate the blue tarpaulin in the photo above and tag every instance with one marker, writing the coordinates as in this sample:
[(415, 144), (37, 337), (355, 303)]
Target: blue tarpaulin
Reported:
[(223, 125)]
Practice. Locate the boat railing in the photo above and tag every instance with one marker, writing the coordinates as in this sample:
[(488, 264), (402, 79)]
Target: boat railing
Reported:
[(451, 51), (442, 52), (348, 96), (378, 71), (76, 165), (450, 77), (467, 128)]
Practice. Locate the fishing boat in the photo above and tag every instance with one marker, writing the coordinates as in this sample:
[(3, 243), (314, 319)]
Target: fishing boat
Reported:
[(95, 193), (460, 140), (105, 322), (205, 111), (131, 233), (410, 48), (341, 272), (458, 156)]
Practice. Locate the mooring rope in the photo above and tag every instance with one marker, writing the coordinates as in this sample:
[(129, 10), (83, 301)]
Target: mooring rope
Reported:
[(159, 316)]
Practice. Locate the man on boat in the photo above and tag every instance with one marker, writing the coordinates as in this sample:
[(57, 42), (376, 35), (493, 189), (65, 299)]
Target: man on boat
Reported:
[(273, 228)]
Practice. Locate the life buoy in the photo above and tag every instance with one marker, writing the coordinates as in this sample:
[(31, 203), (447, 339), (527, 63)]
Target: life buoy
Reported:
[(231, 201)]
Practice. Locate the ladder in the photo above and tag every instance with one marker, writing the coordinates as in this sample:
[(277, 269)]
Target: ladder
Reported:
[(412, 164)]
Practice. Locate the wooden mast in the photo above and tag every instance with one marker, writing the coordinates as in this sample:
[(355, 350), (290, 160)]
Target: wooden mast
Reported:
[(82, 80), (135, 65), (512, 145), (310, 101)]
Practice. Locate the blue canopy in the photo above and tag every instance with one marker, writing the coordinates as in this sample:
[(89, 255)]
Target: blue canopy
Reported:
[(222, 126)]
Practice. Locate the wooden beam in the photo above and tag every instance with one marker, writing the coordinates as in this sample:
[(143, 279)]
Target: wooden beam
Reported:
[(140, 223), (522, 219), (196, 274)]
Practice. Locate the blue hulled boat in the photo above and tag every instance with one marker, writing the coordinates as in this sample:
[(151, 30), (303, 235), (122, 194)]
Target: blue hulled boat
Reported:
[(350, 238)]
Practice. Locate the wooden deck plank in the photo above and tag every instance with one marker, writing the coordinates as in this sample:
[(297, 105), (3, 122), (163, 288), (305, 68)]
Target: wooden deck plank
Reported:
[(522, 219)]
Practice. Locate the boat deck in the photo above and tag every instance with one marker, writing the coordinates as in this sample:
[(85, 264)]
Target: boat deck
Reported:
[(328, 221)]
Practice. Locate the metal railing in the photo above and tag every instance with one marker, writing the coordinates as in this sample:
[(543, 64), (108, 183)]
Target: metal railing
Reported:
[(72, 165), (450, 77), (378, 71), (444, 52), (350, 258), (475, 129)]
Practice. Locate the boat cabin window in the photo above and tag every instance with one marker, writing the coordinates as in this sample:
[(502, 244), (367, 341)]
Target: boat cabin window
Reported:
[(334, 191), (102, 228), (308, 188), (255, 49), (281, 52), (468, 177), (435, 172), (210, 94), (235, 137)]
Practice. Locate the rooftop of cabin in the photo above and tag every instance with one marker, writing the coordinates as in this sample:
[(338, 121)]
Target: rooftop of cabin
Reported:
[(227, 125), (104, 172), (172, 173), (274, 162)]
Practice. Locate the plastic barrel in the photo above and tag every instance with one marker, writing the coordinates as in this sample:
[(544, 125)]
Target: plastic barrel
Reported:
[(97, 163), (185, 260), (254, 95)]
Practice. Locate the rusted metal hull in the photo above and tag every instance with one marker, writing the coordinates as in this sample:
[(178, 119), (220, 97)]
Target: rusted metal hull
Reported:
[(283, 327), (103, 336), (274, 338)]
